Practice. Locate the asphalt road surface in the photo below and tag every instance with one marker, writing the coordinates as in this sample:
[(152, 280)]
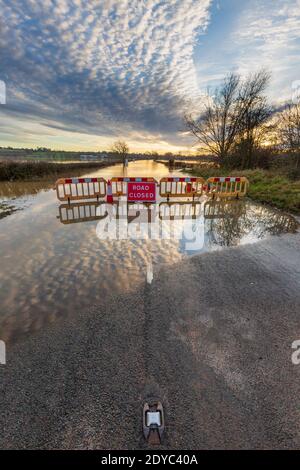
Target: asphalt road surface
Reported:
[(210, 337)]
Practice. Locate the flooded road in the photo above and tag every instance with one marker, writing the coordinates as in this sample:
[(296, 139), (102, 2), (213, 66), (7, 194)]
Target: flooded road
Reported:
[(104, 307), (58, 261)]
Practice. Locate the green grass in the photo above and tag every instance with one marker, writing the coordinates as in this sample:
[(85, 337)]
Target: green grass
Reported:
[(267, 186)]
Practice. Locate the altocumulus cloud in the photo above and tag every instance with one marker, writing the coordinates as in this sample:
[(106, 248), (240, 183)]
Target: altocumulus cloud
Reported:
[(256, 34), (102, 67)]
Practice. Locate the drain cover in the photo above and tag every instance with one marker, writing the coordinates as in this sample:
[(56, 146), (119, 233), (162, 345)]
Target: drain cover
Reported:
[(153, 422)]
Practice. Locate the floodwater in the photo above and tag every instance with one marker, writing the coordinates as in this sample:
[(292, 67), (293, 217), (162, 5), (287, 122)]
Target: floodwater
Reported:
[(57, 260)]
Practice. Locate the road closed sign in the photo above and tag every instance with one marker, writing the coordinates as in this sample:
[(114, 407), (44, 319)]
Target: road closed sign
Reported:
[(141, 192)]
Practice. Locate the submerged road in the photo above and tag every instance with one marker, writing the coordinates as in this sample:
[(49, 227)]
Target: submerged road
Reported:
[(211, 337)]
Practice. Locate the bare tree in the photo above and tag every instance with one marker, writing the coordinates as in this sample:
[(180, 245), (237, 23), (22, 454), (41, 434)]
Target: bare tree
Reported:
[(254, 125), (153, 154), (216, 127), (121, 149), (289, 131), (235, 108)]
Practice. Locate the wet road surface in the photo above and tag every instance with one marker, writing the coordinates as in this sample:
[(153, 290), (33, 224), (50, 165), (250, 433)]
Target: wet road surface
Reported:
[(210, 337)]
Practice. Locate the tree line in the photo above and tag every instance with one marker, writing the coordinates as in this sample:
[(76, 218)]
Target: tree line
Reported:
[(239, 126)]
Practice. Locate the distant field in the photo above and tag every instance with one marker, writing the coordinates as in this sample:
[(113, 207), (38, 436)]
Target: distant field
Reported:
[(20, 170), (27, 154)]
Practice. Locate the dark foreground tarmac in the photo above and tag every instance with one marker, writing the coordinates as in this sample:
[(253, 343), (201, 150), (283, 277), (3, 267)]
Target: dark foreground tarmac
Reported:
[(211, 337)]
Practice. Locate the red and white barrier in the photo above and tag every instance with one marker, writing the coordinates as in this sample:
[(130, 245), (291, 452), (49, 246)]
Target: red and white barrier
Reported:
[(68, 189)]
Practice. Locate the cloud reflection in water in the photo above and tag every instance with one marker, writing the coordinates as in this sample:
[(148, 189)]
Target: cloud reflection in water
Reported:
[(52, 270)]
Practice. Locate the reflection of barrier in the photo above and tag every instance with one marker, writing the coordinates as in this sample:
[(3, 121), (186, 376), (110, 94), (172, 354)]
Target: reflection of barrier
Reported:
[(119, 184), (82, 212), (181, 187), (68, 189), (142, 211), (179, 210), (227, 186), (215, 209), (130, 211)]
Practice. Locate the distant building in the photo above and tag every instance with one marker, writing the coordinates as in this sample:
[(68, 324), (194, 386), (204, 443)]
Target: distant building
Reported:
[(90, 157)]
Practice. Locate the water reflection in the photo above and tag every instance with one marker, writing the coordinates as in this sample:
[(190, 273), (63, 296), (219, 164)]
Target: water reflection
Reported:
[(229, 222), (179, 210), (93, 210), (17, 195), (6, 209), (224, 222), (57, 261), (82, 212), (16, 189)]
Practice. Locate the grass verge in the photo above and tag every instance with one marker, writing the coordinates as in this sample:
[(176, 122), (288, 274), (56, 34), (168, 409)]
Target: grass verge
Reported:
[(267, 186)]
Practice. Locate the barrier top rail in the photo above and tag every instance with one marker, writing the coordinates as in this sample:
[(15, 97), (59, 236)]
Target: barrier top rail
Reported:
[(180, 179), (224, 179), (127, 179), (80, 188), (78, 180)]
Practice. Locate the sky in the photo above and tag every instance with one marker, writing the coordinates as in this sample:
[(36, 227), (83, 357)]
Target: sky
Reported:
[(81, 74)]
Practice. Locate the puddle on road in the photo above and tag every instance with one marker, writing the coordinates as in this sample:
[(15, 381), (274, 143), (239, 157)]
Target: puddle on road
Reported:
[(59, 259)]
